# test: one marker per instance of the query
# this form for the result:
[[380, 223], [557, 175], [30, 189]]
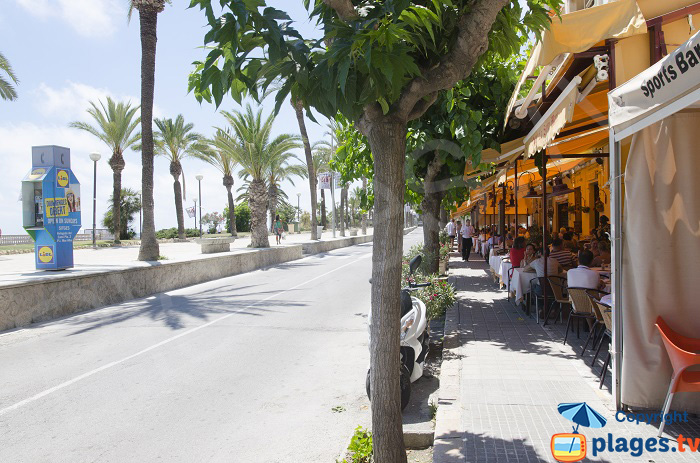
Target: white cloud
[[69, 103], [89, 18]]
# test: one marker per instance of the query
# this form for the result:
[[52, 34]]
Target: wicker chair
[[598, 328], [581, 309], [606, 312], [558, 285]]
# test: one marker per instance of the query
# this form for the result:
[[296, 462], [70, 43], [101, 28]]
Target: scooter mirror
[[415, 263]]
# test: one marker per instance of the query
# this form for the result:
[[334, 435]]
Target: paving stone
[[506, 376]]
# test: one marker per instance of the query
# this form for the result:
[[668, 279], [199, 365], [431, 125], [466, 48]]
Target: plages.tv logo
[[569, 447]]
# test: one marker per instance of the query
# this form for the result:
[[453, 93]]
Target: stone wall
[[27, 303]]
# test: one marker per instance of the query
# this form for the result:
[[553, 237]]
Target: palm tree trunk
[[148, 19], [324, 221], [364, 214], [272, 204], [299, 109], [257, 197], [178, 208], [116, 162], [231, 214]]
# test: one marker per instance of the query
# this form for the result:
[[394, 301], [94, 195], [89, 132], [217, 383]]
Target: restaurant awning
[[663, 89], [579, 31], [556, 117], [509, 150]]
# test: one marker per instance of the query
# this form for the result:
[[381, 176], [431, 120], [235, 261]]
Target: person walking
[[458, 231], [467, 232], [451, 232], [278, 229]]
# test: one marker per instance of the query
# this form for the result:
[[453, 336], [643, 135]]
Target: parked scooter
[[414, 336]]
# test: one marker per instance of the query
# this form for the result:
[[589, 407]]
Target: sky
[[67, 53]]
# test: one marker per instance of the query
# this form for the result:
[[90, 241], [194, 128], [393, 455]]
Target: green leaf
[[384, 105]]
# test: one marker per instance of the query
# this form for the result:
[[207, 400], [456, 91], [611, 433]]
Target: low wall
[[43, 300]]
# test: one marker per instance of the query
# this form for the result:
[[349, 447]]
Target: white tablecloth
[[520, 283]]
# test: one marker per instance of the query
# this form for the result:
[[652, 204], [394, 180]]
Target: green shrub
[[242, 217], [171, 233], [438, 297], [360, 448]]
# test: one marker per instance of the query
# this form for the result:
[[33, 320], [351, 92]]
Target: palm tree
[[148, 22], [115, 125], [176, 141], [7, 90], [355, 201], [321, 158], [256, 153], [222, 156], [280, 171]]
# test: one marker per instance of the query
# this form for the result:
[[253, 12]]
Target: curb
[[449, 435]]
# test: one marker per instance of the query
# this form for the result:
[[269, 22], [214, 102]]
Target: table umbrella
[[581, 414]]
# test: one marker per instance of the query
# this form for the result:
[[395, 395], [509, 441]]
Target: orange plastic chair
[[683, 353]]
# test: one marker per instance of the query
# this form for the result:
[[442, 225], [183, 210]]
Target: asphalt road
[[267, 366]]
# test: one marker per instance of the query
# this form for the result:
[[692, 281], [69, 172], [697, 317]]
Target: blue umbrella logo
[[581, 414]]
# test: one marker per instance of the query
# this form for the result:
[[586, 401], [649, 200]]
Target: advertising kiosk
[[51, 207]]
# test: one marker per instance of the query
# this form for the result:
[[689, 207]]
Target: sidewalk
[[19, 268], [503, 376]]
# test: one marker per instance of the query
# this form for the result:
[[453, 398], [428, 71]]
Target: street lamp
[[298, 213], [199, 179], [94, 157], [195, 213]]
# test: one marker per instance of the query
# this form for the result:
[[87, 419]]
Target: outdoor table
[[484, 245], [495, 263], [520, 283], [506, 265]]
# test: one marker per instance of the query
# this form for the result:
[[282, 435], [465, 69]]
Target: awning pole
[[616, 266], [544, 238], [516, 197]]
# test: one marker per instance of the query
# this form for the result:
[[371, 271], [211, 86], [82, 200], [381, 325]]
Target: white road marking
[[162, 343]]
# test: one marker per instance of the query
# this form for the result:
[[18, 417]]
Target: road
[[267, 366]]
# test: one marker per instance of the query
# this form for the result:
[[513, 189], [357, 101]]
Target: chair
[[606, 313], [510, 277], [540, 281], [596, 335], [683, 353], [581, 309], [558, 285]]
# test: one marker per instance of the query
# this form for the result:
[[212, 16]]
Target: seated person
[[582, 276], [517, 252], [604, 256], [509, 240], [530, 255], [537, 266], [569, 243], [565, 258]]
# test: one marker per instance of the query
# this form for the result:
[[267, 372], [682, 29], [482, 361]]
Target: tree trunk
[[148, 18], [364, 214], [116, 162], [443, 217], [178, 209], [299, 109], [257, 199], [272, 205], [341, 212], [432, 200], [387, 139], [231, 209], [324, 221]]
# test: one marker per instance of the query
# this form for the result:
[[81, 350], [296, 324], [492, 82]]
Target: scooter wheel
[[404, 383]]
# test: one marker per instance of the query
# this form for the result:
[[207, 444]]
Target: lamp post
[[199, 179], [298, 213], [195, 213], [140, 213], [95, 156]]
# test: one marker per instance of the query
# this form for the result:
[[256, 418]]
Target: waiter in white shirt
[[467, 232], [450, 227]]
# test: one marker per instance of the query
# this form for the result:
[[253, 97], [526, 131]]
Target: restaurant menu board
[[53, 218]]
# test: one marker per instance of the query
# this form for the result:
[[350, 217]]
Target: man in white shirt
[[582, 276], [450, 227], [467, 232], [553, 266]]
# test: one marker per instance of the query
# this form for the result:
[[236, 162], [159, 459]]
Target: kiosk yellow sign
[[56, 207], [62, 178], [45, 254]]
